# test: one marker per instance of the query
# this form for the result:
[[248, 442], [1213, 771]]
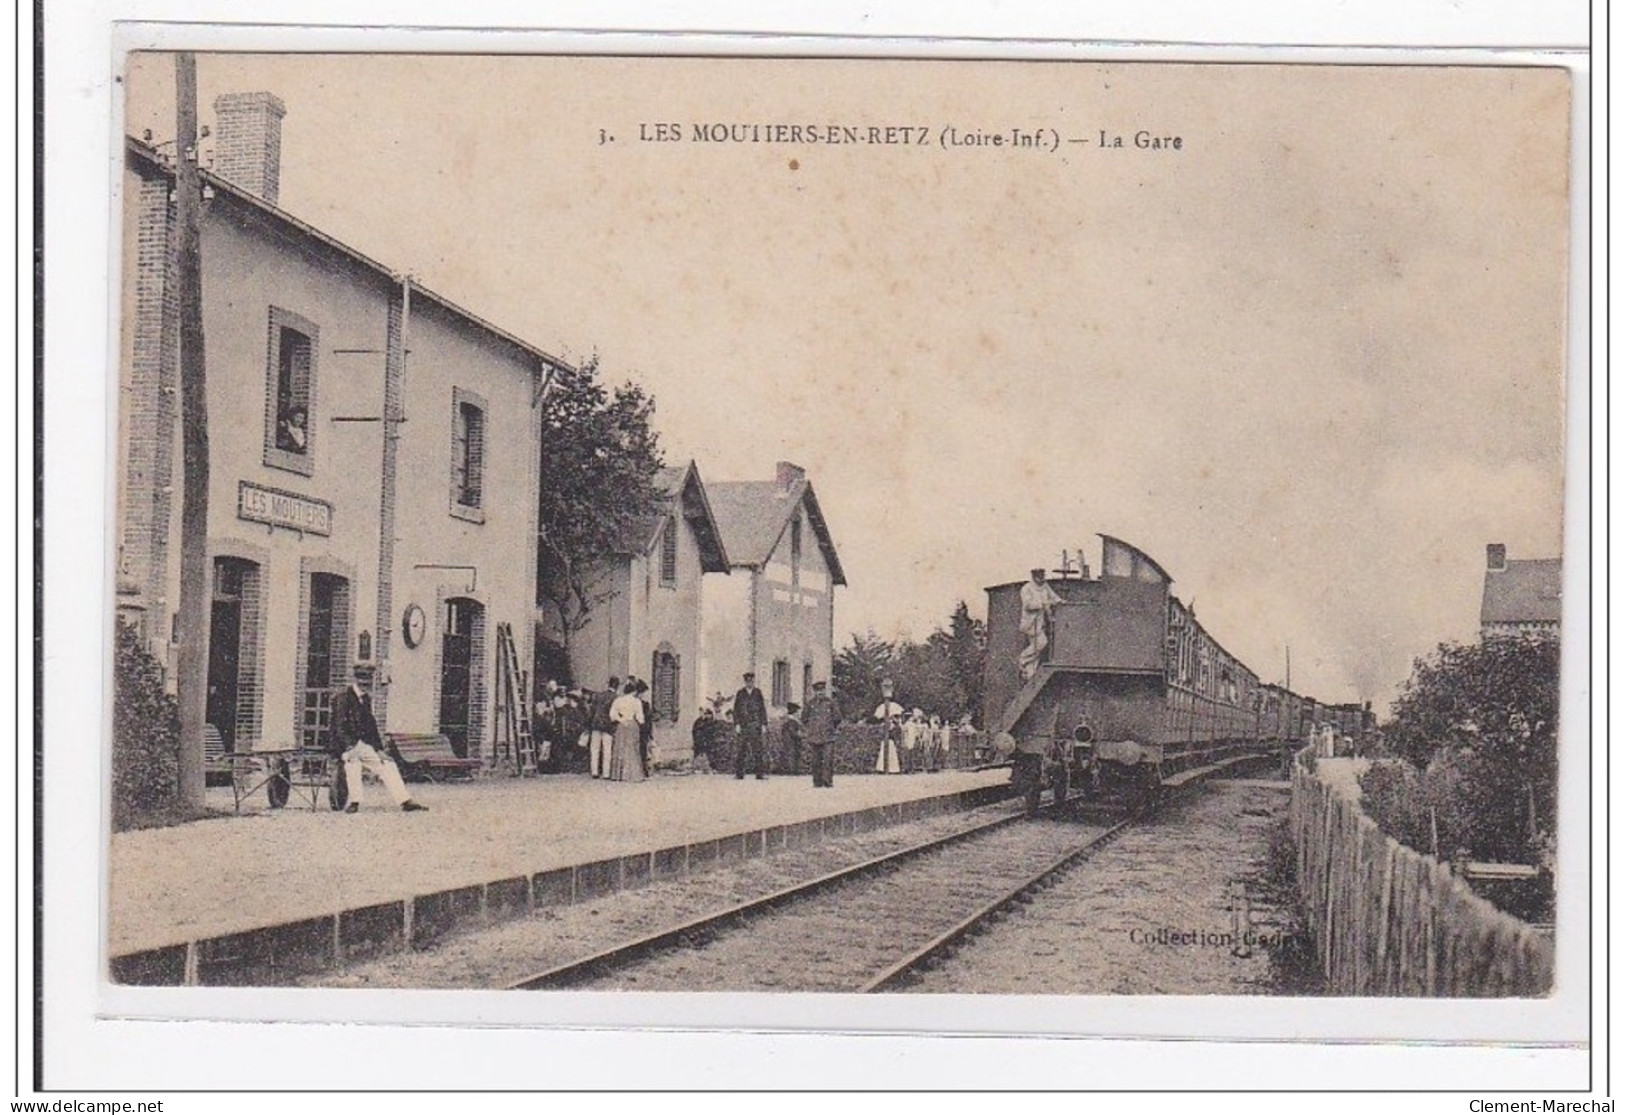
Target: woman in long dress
[[626, 749], [890, 714]]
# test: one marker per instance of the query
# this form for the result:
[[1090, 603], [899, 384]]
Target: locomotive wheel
[[1027, 775], [279, 786]]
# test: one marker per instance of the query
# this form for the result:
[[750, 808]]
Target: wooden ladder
[[515, 745]]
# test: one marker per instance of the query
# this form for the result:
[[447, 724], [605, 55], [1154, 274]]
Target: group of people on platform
[[810, 728], [912, 741], [613, 729]]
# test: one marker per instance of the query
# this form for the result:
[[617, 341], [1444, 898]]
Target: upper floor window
[[468, 455], [668, 552], [290, 392], [795, 542]]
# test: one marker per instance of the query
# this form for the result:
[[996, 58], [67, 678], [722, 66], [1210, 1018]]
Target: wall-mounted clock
[[413, 624]]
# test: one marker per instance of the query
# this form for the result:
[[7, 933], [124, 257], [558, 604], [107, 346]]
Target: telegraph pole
[[192, 664]]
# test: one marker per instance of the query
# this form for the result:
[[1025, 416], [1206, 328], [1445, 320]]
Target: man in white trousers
[[354, 738]]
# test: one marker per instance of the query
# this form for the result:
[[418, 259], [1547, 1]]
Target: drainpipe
[[755, 594], [394, 378]]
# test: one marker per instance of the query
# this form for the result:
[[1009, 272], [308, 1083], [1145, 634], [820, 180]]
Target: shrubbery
[[1475, 732], [146, 733]]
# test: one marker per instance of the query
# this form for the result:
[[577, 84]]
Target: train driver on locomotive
[[1037, 602]]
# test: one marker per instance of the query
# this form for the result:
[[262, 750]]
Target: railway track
[[867, 927]]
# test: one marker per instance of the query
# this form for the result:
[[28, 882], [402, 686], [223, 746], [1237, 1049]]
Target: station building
[[647, 621], [373, 462], [774, 615]]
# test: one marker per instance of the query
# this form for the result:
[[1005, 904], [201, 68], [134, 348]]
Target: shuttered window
[[666, 677], [468, 448], [668, 553], [781, 683], [290, 392]]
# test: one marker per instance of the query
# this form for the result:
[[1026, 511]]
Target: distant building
[[1520, 597], [775, 615], [647, 620], [373, 461]]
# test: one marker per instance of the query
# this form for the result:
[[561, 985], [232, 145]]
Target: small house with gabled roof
[[647, 619], [1520, 597], [775, 615]]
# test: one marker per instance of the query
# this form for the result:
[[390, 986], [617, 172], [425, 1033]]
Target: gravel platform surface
[[1151, 913], [230, 873]]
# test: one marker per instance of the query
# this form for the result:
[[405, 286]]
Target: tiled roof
[[151, 160], [1524, 592], [681, 484], [753, 514]]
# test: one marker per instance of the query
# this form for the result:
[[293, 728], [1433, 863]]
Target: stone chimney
[[1495, 555], [248, 141], [788, 476]]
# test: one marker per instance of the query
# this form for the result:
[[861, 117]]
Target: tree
[[599, 457], [966, 644], [941, 676], [1481, 720], [857, 672]]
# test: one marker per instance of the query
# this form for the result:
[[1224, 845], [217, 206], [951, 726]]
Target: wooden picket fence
[[1390, 921]]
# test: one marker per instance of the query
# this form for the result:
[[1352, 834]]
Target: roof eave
[[265, 208]]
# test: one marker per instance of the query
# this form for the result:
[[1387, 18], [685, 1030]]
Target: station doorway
[[229, 634], [462, 630]]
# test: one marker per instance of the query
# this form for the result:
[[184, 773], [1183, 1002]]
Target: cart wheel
[[279, 785], [338, 789]]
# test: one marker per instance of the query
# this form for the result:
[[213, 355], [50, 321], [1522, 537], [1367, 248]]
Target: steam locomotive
[[1129, 690]]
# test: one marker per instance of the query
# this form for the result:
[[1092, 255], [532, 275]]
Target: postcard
[[1074, 531]]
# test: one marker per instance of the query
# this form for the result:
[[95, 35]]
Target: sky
[[1311, 360]]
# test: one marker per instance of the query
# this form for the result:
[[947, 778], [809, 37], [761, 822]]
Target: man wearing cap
[[819, 719], [354, 738], [1037, 599], [750, 721]]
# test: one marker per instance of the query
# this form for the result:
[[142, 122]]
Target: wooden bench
[[427, 757]]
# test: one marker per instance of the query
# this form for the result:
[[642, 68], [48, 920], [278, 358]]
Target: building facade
[[774, 615], [1520, 597], [373, 455], [647, 621]]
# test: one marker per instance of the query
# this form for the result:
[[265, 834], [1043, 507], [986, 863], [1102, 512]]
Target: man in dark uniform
[[703, 735], [819, 719], [354, 738], [750, 722], [646, 733]]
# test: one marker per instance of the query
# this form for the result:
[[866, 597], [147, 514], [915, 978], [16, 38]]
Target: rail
[[590, 967], [941, 945]]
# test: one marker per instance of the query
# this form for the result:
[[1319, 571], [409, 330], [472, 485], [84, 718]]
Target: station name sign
[[283, 509]]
